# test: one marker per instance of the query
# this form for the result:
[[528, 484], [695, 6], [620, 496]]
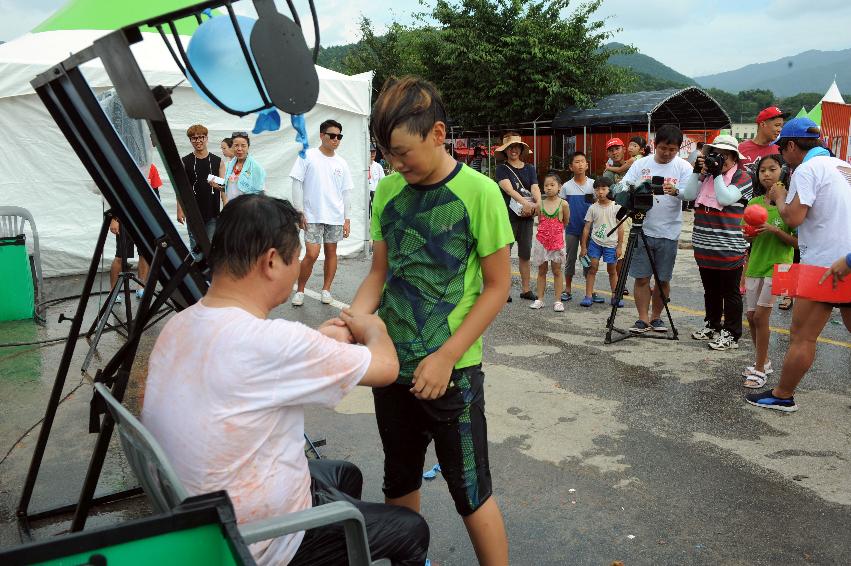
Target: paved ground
[[641, 451]]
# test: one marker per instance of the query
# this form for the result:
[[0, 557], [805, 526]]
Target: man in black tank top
[[209, 196]]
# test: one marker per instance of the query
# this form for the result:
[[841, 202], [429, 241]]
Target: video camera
[[639, 198], [714, 162]]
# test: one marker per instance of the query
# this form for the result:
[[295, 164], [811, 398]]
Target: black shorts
[[127, 250], [457, 424], [522, 229]]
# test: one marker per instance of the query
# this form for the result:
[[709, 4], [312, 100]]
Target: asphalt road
[[641, 451]]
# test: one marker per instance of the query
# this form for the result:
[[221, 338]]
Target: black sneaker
[[767, 400], [658, 325], [565, 296], [640, 327], [529, 296], [597, 298]]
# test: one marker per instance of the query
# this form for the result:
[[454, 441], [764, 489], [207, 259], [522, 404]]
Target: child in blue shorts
[[596, 240]]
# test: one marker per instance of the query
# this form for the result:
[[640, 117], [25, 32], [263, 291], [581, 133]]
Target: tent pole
[[535, 141]]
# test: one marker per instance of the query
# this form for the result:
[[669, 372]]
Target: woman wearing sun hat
[[519, 183], [721, 189]]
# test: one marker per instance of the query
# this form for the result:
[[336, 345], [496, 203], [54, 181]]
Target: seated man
[[227, 390]]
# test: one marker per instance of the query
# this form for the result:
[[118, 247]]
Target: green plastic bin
[[17, 298]]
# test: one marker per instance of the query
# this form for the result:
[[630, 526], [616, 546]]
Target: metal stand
[[121, 288], [635, 232], [116, 373]]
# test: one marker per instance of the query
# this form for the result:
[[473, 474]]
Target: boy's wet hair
[[669, 134], [409, 102], [247, 227], [578, 154]]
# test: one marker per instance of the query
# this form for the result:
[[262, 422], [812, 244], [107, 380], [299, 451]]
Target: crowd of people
[[440, 274]]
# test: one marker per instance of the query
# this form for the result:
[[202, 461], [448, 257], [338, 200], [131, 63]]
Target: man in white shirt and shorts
[[227, 390], [322, 187]]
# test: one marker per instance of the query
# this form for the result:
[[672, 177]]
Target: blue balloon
[[218, 60]]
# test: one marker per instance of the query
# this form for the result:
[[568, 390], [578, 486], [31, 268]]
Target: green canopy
[[112, 14], [815, 114], [802, 113]]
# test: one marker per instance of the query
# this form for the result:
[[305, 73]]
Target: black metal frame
[[635, 232], [68, 97]]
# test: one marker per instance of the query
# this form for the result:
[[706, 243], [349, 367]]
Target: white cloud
[[693, 37]]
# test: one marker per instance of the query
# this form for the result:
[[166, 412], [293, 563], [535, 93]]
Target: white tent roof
[[49, 180], [833, 94]]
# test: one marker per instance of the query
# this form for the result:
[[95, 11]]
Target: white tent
[[833, 94], [43, 173]]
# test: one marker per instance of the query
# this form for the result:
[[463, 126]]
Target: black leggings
[[393, 532], [722, 297]]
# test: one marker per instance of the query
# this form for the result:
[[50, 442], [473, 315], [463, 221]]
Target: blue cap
[[798, 128]]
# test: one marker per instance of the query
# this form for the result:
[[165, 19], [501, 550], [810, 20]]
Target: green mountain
[[811, 70], [652, 75]]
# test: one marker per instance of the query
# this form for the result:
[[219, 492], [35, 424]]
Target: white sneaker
[[298, 299], [326, 297], [558, 307], [751, 369], [724, 341], [536, 304], [704, 333]]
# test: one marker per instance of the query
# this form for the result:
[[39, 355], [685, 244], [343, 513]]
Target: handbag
[[515, 206]]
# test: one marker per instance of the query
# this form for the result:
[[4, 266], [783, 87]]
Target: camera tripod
[[635, 232]]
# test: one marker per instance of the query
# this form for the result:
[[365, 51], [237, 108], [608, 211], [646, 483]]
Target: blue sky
[[693, 37]]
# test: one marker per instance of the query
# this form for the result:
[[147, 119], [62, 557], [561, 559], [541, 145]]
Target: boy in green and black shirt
[[440, 275]]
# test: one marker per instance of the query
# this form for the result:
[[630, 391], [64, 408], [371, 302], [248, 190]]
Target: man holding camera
[[662, 225]]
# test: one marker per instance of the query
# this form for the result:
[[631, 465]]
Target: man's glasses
[[197, 138], [335, 136]]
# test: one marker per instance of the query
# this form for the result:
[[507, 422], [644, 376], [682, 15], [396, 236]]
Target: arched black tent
[[689, 108]]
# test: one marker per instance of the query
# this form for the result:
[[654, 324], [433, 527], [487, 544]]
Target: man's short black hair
[[247, 227], [669, 134], [805, 144], [323, 127], [578, 154]]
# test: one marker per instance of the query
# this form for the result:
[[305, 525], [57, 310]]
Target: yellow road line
[[694, 312]]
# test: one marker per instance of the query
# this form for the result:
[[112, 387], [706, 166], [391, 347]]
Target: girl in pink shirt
[[548, 246]]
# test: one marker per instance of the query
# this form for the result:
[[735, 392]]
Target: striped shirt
[[717, 237]]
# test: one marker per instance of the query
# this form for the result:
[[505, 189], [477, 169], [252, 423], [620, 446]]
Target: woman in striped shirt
[[721, 188]]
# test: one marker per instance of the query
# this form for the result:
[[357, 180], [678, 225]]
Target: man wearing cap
[[818, 204], [721, 188], [615, 151], [522, 195], [375, 174], [769, 123]]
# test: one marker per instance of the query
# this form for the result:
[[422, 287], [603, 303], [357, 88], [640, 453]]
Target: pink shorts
[[758, 293]]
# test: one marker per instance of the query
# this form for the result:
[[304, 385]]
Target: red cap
[[613, 142], [770, 113]]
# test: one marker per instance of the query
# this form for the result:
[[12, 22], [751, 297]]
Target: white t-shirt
[[225, 399], [324, 180], [602, 219], [376, 173], [665, 219], [823, 184]]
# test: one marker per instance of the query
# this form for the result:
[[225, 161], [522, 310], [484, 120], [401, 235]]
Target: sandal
[[755, 380], [785, 303]]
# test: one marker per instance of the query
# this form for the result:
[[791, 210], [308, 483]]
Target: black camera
[[639, 198], [714, 162]]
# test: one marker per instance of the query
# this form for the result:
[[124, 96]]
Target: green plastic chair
[[13, 221], [165, 492]]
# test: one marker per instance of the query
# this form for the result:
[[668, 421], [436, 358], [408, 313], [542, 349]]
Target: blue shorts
[[596, 251], [664, 255]]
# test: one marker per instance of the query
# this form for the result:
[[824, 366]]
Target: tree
[[499, 61]]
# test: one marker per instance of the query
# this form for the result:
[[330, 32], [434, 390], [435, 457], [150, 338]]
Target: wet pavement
[[641, 451]]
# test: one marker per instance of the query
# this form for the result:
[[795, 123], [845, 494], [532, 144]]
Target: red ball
[[756, 215], [749, 230]]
